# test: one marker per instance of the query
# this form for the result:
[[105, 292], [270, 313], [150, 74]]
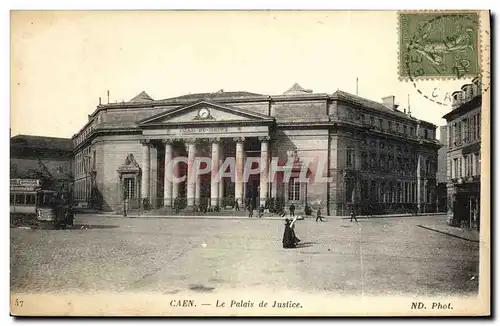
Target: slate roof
[[40, 142], [369, 104], [218, 94]]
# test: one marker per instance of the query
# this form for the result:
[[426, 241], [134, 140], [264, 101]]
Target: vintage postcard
[[250, 163]]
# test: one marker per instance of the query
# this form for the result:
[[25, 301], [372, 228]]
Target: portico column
[[146, 166], [221, 181], [167, 179], [191, 177], [214, 178], [264, 169], [238, 186]]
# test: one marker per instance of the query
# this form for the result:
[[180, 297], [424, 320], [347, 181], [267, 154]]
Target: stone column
[[214, 178], [146, 167], [153, 179], [175, 185], [264, 169], [221, 181], [167, 178], [238, 186], [197, 190], [191, 180]]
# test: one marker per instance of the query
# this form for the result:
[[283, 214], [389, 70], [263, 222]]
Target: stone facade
[[377, 158], [464, 154]]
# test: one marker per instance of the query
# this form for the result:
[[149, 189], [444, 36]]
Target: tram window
[[30, 199], [19, 199], [12, 196]]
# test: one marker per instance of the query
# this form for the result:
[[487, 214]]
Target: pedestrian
[[416, 210], [288, 236], [353, 215], [292, 227], [236, 206], [250, 209], [318, 216], [292, 210]]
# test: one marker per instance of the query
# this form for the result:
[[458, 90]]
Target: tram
[[48, 207]]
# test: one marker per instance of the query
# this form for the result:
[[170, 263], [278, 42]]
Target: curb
[[365, 217], [447, 233]]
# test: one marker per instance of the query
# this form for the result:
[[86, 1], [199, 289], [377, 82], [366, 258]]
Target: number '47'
[[19, 303]]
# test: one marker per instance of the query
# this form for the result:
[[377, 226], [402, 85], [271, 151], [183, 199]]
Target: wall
[[115, 150]]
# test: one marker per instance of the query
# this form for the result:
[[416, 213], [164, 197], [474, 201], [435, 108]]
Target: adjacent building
[[379, 159], [464, 154], [48, 159]]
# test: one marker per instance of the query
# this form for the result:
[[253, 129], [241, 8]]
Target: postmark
[[438, 45]]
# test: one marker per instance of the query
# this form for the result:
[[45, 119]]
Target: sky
[[62, 62]]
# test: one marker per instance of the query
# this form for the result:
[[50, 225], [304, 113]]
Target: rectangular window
[[349, 190], [455, 168], [405, 130], [460, 171], [294, 189], [30, 199], [382, 162], [465, 123], [381, 123], [94, 160], [412, 131], [478, 164], [372, 121], [478, 126], [466, 165], [20, 199], [12, 198], [364, 160], [373, 162], [389, 124], [397, 127], [426, 134], [350, 158], [129, 188]]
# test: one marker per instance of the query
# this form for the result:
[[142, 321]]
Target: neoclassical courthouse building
[[376, 157]]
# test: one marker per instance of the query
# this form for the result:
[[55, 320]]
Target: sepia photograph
[[250, 163]]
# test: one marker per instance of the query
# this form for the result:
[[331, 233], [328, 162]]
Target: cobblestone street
[[373, 257]]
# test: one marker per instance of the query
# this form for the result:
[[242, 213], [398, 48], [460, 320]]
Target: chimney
[[388, 102]]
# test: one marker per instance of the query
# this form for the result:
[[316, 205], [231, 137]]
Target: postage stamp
[[200, 174], [438, 44]]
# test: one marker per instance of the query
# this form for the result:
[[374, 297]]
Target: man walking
[[250, 209], [292, 210], [318, 216], [353, 215]]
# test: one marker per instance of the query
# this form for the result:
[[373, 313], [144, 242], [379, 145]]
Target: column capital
[[190, 141], [239, 139], [264, 138], [167, 141], [214, 140], [145, 142]]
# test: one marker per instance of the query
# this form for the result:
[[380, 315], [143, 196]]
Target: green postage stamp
[[438, 44]]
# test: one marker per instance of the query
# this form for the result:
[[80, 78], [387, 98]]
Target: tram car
[[49, 208]]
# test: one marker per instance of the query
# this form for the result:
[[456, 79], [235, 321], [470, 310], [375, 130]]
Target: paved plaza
[[380, 256]]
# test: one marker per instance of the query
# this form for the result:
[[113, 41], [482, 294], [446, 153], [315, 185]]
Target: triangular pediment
[[204, 112]]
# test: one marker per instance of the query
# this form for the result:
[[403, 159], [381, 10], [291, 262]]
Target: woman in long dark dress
[[288, 239]]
